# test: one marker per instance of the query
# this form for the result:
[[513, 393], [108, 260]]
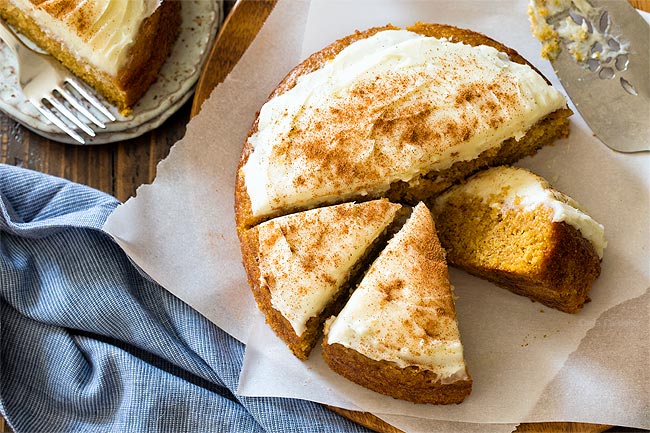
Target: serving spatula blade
[[613, 93]]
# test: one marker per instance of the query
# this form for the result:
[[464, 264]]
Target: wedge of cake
[[509, 226], [300, 265], [116, 46], [397, 334], [396, 113]]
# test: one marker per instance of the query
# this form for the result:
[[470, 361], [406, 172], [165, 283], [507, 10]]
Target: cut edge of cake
[[511, 227]]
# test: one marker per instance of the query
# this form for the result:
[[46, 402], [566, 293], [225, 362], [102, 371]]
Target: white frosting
[[510, 188], [306, 257], [98, 31], [323, 139], [403, 310]]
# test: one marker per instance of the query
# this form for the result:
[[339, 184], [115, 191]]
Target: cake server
[[611, 86], [47, 84]]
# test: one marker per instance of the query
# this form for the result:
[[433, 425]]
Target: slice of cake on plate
[[116, 46], [397, 334], [393, 113], [300, 265], [511, 227]]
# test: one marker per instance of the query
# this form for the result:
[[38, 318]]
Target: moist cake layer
[[507, 188], [509, 226]]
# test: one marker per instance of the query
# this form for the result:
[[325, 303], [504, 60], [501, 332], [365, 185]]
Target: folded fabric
[[87, 343]]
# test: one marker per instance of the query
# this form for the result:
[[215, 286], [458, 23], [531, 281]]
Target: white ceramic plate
[[174, 86]]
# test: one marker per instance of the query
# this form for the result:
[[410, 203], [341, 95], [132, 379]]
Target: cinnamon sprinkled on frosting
[[388, 108], [304, 258], [403, 310], [101, 31]]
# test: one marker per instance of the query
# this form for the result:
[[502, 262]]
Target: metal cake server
[[612, 92]]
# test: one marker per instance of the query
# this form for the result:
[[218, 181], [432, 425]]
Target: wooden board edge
[[237, 32]]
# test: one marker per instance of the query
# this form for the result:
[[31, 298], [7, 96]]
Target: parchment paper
[[527, 361]]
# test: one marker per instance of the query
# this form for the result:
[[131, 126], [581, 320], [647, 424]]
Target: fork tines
[[55, 104]]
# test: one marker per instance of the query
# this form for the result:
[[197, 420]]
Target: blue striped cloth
[[89, 344]]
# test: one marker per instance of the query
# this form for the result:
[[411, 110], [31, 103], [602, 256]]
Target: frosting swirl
[[388, 108], [99, 31]]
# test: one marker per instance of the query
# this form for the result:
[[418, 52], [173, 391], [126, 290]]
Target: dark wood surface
[[119, 168]]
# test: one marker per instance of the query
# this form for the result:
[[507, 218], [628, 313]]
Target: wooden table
[[118, 169]]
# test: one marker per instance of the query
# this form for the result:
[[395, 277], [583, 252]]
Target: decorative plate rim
[[156, 106]]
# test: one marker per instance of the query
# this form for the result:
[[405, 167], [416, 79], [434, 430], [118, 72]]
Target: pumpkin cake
[[115, 46], [392, 114], [397, 334], [509, 226], [300, 265]]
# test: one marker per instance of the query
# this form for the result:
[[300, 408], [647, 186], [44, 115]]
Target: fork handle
[[10, 38]]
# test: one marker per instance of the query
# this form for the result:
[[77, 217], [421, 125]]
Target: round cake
[[335, 185]]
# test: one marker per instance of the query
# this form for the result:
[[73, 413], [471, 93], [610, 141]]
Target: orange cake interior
[[509, 226]]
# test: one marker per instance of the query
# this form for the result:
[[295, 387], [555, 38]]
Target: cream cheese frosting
[[306, 257], [403, 309], [517, 188], [388, 108], [98, 31]]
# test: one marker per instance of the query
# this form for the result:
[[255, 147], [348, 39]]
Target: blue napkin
[[87, 343]]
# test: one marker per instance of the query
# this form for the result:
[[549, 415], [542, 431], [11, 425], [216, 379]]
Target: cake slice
[[117, 47], [511, 227], [398, 334], [300, 265], [394, 113]]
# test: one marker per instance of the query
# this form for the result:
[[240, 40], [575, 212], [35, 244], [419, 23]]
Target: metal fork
[[44, 81]]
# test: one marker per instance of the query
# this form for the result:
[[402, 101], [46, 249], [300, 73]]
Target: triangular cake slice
[[116, 47], [398, 334], [299, 265], [509, 226]]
